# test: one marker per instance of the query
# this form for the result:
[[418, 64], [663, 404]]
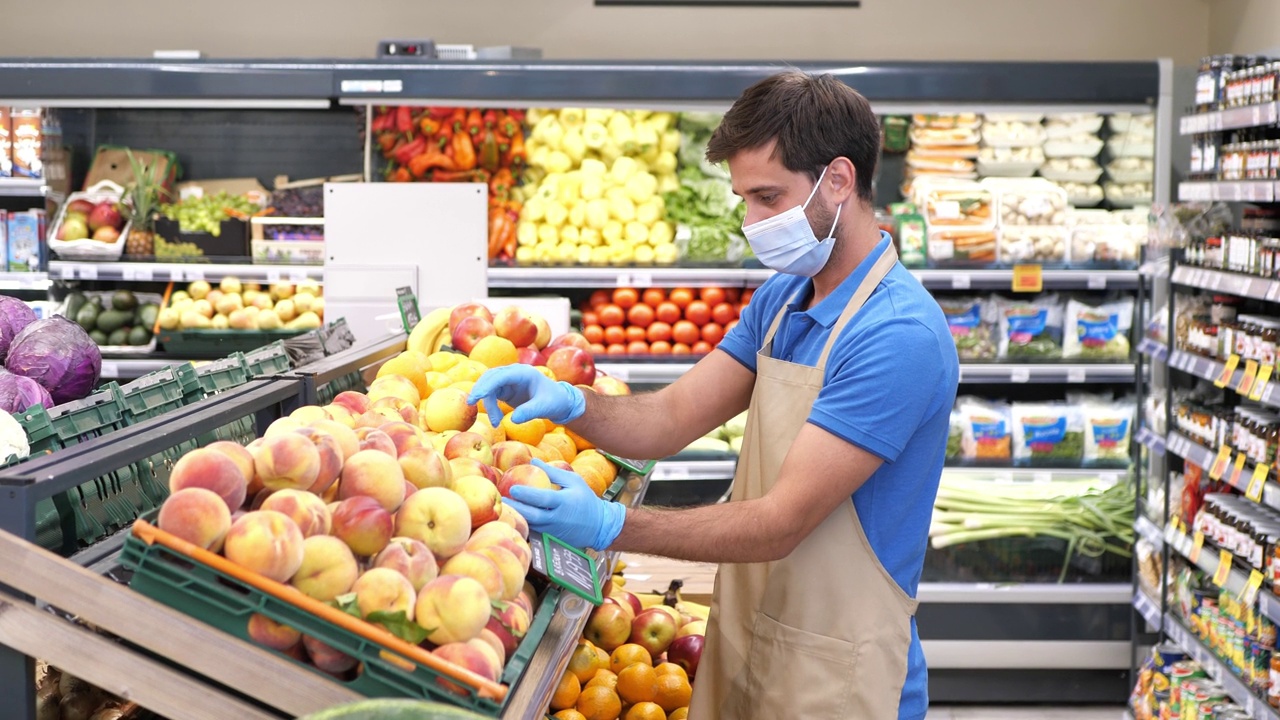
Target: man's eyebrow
[[759, 189]]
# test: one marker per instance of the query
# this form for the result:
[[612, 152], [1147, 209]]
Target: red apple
[[515, 325], [470, 330], [80, 205], [105, 214], [572, 365], [686, 652], [606, 385], [572, 339], [653, 630], [528, 356], [608, 627], [466, 310], [632, 600], [544, 332]]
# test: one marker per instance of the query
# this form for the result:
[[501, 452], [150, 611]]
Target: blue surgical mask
[[786, 243]]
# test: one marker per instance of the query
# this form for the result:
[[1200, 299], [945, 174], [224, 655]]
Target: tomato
[[728, 328], [701, 347], [680, 349], [593, 333], [653, 297], [712, 332], [625, 297], [590, 318], [614, 335], [661, 347], [746, 295], [698, 313], [598, 298], [732, 295], [635, 333], [597, 349], [611, 315], [640, 314], [616, 349], [681, 296], [685, 332], [659, 332], [668, 312], [724, 313], [711, 295], [637, 347]]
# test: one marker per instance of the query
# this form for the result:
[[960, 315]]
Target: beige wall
[[1244, 26], [574, 29]]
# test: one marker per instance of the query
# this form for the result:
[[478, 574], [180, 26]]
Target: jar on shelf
[[1268, 336], [1223, 309]]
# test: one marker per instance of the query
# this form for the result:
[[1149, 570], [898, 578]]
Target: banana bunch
[[431, 333], [648, 600]]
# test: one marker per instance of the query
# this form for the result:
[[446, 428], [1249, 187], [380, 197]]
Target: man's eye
[[768, 199]]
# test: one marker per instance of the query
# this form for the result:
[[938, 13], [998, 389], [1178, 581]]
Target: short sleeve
[[745, 339], [882, 384]]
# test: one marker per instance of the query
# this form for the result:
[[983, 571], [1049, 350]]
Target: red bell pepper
[[408, 151], [404, 119], [440, 113]]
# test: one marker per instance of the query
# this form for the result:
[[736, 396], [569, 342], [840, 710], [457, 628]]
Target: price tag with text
[[1228, 370], [1260, 384], [960, 281], [1097, 282], [88, 272], [1224, 568], [297, 276], [1219, 466], [408, 305], [1020, 375], [1075, 375], [273, 275], [1249, 377], [1257, 482], [1250, 591], [1237, 470], [1197, 544], [1028, 278]]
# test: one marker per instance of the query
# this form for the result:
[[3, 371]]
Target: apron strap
[[874, 277], [777, 319]]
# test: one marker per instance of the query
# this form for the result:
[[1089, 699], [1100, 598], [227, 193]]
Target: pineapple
[[144, 196]]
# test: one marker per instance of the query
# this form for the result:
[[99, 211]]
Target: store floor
[[1009, 712]]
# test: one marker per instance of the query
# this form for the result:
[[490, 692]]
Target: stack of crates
[[268, 360], [147, 397], [216, 377]]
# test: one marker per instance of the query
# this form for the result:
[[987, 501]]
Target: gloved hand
[[574, 513], [532, 394]]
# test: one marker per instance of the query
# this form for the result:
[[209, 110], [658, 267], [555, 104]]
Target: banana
[[702, 612], [427, 330], [441, 339]]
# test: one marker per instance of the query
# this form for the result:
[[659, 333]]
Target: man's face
[[769, 188]]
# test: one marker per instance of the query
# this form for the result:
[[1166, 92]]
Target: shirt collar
[[828, 311]]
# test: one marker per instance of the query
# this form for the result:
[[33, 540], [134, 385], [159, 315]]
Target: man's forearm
[[634, 426], [738, 532]]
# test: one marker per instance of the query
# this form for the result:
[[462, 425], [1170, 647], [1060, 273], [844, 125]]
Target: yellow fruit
[[412, 365], [584, 663], [466, 371], [599, 703], [569, 714], [627, 655], [672, 691], [562, 444], [494, 351], [680, 714], [529, 433], [566, 694], [637, 683], [645, 711]]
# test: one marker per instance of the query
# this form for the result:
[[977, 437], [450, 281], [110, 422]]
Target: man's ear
[[842, 180]]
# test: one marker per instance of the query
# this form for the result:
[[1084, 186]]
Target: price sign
[[1219, 466], [273, 275], [960, 281], [88, 272], [109, 370], [1028, 278], [408, 305], [642, 279], [194, 274], [1250, 591], [639, 467], [566, 566], [1075, 375], [1020, 375], [1249, 377], [1097, 282], [1224, 568], [1260, 384], [1257, 482], [1197, 544], [1237, 470], [297, 276], [1228, 370]]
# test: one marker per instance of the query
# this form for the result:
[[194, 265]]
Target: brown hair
[[815, 119]]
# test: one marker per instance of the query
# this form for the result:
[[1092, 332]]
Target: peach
[[516, 325], [509, 454], [466, 655], [241, 456], [384, 590], [528, 475], [515, 616], [447, 409], [438, 518], [373, 474], [304, 508], [356, 403], [281, 426], [481, 496], [506, 638], [341, 415], [269, 633], [403, 435], [308, 414], [344, 434], [561, 465], [330, 458], [485, 429], [562, 444], [440, 439], [452, 609], [509, 516], [213, 471], [409, 488], [326, 657], [493, 652], [287, 461], [479, 568], [265, 542], [363, 524], [377, 417], [469, 444], [490, 533], [259, 498], [393, 386], [410, 558], [544, 332], [407, 412], [328, 568], [490, 638], [199, 516], [509, 567], [425, 468], [464, 466], [371, 438]]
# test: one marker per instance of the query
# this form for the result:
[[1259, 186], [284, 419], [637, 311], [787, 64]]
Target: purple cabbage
[[14, 316], [59, 355], [18, 393]]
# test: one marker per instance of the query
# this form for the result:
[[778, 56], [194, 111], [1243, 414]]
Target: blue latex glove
[[574, 513], [532, 394]]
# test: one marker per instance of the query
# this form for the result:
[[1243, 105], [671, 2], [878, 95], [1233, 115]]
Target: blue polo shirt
[[889, 387]]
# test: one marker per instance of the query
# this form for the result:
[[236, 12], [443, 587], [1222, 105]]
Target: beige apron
[[824, 632]]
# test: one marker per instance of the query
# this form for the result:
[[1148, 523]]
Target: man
[[850, 373]]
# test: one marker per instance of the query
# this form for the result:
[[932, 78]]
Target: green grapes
[[205, 214]]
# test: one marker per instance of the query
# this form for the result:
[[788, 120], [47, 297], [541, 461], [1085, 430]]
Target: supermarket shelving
[[181, 272], [24, 281], [1207, 369], [1221, 673], [1148, 531], [130, 368], [21, 187], [1231, 283], [1153, 440], [1230, 119], [1228, 191], [1192, 451], [995, 373], [1208, 560], [1148, 609], [1154, 349]]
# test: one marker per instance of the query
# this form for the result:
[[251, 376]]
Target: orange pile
[[624, 685], [628, 321]]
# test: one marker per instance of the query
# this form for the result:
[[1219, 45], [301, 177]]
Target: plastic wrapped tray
[[1077, 170], [1131, 170], [1073, 146], [1012, 134], [1028, 201], [1107, 245], [1067, 125], [1128, 194], [1047, 245], [1132, 146], [963, 247]]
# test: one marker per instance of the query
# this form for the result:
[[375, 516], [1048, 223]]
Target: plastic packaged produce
[[707, 214], [962, 206], [1083, 195], [1097, 332], [955, 436], [1131, 146], [1030, 201], [963, 247], [986, 429], [1072, 124], [1128, 194], [1080, 145], [1083, 170], [1109, 244], [1108, 429], [1030, 329], [972, 323], [946, 121], [1029, 243], [1130, 170], [1048, 433], [1010, 162], [1003, 133]]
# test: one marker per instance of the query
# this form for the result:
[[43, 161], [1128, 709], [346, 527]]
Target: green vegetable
[[147, 315], [123, 300], [704, 204], [118, 337], [139, 336], [87, 316], [75, 301], [98, 337], [111, 320]]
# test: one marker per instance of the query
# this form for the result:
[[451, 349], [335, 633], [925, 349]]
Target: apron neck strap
[[874, 277], [777, 319]]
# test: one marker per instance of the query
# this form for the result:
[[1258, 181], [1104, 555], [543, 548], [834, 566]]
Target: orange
[[625, 297], [529, 432], [593, 333], [673, 692], [604, 658], [701, 347], [598, 298], [569, 714], [667, 312], [566, 694], [611, 315], [670, 668], [603, 678], [698, 313], [614, 335], [590, 318], [495, 351], [584, 662], [712, 332], [579, 442], [659, 332], [640, 315], [680, 349], [629, 654], [412, 365], [659, 347], [712, 295], [635, 333], [681, 714], [645, 711], [599, 703], [653, 297], [638, 347], [685, 332], [681, 296], [616, 349], [563, 443], [724, 313], [637, 683]]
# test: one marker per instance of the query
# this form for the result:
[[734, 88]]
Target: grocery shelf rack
[[182, 272]]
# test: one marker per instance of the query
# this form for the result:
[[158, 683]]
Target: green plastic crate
[[351, 381], [227, 603], [216, 377], [151, 396], [219, 343], [269, 360]]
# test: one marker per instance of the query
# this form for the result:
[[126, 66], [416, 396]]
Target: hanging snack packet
[[1098, 332]]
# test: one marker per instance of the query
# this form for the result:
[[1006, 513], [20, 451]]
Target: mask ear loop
[[840, 207], [815, 187]]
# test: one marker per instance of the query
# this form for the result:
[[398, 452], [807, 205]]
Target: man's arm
[[662, 423], [820, 472]]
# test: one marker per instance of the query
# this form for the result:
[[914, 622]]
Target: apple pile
[[102, 221], [628, 321]]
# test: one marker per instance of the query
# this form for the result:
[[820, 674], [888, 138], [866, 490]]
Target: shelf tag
[[642, 279], [1028, 278], [1020, 375], [297, 276], [1228, 370], [1258, 482], [1219, 466], [1224, 568], [1250, 591], [109, 370], [1197, 544], [960, 281], [1260, 384], [623, 280], [88, 272], [675, 471], [1250, 376], [273, 275], [142, 274], [1171, 531], [1235, 472], [1097, 282], [566, 566], [195, 274], [1075, 375], [408, 305]]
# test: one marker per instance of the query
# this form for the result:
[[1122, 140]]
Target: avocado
[[147, 315], [118, 337], [75, 301], [123, 300], [98, 337], [139, 335], [111, 320], [87, 316]]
